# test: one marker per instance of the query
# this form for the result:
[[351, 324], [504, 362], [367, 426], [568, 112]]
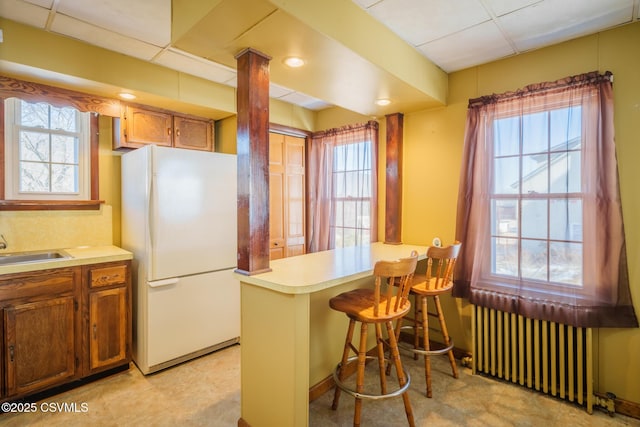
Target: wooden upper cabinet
[[141, 125], [192, 133]]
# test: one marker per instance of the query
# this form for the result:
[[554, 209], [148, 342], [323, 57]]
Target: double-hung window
[[342, 192], [539, 211], [352, 192], [47, 152], [536, 197]]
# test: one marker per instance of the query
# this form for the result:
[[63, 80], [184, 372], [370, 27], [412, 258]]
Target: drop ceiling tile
[[100, 37], [25, 13], [304, 101], [418, 21], [475, 45], [42, 3], [277, 91], [191, 64], [365, 3], [554, 21], [146, 20], [502, 7]]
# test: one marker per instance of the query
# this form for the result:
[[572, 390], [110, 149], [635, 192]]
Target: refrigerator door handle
[[152, 209], [164, 282]]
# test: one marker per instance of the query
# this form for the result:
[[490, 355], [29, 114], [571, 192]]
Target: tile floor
[[206, 392]]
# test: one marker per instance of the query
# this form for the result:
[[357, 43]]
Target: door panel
[[295, 199], [286, 195], [194, 212], [191, 314], [108, 327], [277, 221], [40, 344]]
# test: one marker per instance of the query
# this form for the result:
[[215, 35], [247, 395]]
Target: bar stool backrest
[[440, 265], [398, 272]]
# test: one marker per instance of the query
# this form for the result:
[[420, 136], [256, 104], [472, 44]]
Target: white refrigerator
[[179, 220]]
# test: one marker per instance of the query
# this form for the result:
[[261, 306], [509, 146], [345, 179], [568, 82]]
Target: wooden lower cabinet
[[40, 348], [56, 328], [109, 314]]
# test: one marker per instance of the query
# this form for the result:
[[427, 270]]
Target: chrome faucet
[[3, 243]]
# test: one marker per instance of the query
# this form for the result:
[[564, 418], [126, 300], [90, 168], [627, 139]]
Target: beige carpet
[[206, 392]]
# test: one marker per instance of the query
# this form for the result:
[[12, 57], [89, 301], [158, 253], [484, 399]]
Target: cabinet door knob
[[177, 132], [95, 333], [11, 353], [168, 131]]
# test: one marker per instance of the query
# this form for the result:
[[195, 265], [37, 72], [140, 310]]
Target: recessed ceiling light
[[294, 61], [383, 101], [126, 95]]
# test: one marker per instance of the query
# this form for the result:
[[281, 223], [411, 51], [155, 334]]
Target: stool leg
[[362, 358], [425, 335], [379, 342], [416, 337], [401, 379], [343, 366], [445, 334], [398, 328]]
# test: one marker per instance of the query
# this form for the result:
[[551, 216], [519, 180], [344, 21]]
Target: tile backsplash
[[38, 230]]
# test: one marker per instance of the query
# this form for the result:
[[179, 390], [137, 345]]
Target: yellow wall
[[37, 230], [432, 152], [433, 149]]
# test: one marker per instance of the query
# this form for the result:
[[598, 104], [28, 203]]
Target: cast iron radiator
[[549, 357]]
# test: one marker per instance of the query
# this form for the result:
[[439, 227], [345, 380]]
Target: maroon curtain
[[320, 202], [511, 193]]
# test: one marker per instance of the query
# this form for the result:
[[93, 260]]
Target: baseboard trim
[[623, 407]]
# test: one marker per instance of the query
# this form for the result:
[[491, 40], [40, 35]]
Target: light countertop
[[321, 270], [81, 255]]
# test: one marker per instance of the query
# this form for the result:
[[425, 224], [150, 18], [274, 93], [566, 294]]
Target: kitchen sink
[[27, 257]]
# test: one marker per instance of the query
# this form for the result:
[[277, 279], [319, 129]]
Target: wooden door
[[39, 340], [107, 327], [295, 201], [276, 196], [286, 195], [192, 133], [142, 127]]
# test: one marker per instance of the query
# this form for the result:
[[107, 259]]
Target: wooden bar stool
[[437, 280], [383, 304]]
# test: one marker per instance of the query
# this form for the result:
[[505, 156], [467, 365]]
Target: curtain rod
[[577, 80]]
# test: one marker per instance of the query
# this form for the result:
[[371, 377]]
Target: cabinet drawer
[[107, 276], [26, 285]]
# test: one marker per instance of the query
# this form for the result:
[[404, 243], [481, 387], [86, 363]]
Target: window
[[536, 199], [47, 152], [539, 210], [352, 185], [342, 193]]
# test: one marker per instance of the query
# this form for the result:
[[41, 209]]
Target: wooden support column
[[393, 210], [253, 162]]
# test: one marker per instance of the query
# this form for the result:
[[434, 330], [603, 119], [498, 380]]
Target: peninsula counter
[[290, 338]]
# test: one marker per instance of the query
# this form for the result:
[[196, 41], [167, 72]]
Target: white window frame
[[359, 227], [519, 280], [12, 178]]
